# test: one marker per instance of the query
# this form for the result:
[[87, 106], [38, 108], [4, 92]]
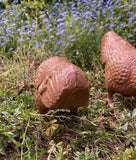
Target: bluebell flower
[[130, 12], [67, 44], [70, 25], [71, 36], [135, 30], [60, 20], [92, 29], [26, 26], [77, 52], [2, 44], [21, 40], [77, 19], [50, 30], [109, 8], [49, 26], [126, 4], [24, 8], [64, 14], [38, 45], [44, 40], [61, 25], [59, 51], [2, 37], [119, 17], [59, 43], [131, 19], [112, 12], [46, 20], [74, 39], [13, 24], [121, 24], [113, 25], [20, 33], [87, 24], [51, 37], [33, 21], [26, 21], [8, 30], [10, 49], [61, 33], [94, 16], [87, 7], [43, 53], [55, 49]]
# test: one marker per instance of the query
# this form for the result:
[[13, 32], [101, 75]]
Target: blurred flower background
[[62, 28]]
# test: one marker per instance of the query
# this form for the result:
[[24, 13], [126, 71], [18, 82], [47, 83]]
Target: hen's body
[[119, 58], [60, 84]]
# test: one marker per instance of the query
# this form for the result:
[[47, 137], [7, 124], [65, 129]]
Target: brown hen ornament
[[59, 84], [119, 58]]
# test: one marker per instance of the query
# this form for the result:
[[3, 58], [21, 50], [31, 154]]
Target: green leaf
[[7, 133], [18, 144]]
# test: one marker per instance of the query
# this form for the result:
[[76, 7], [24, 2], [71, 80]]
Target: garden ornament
[[59, 84], [119, 58]]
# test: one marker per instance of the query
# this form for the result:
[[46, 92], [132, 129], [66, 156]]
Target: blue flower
[[67, 44], [130, 12], [44, 40], [50, 30], [43, 53], [94, 16], [2, 44], [74, 39], [10, 49], [21, 40], [126, 4], [77, 19], [60, 20], [38, 45], [106, 24], [77, 52], [121, 24], [51, 37], [59, 51], [71, 36], [87, 24], [59, 42], [131, 19], [113, 25], [61, 33], [135, 30], [61, 25], [8, 30], [119, 17], [2, 37], [92, 29]]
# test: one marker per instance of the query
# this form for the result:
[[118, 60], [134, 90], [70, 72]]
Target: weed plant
[[32, 31]]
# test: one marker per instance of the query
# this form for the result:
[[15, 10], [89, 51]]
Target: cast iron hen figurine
[[119, 58], [60, 84]]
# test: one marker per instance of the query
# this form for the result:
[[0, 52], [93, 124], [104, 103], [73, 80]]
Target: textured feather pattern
[[60, 84], [119, 57]]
